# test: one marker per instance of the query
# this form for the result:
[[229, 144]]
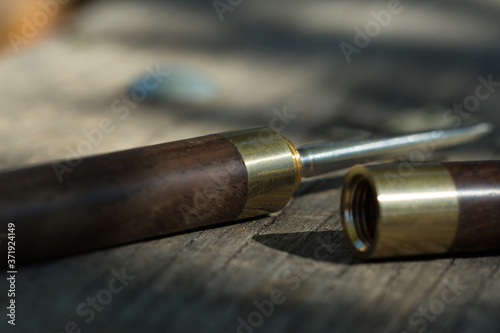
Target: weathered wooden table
[[290, 272]]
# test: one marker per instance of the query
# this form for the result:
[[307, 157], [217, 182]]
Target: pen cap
[[390, 210]]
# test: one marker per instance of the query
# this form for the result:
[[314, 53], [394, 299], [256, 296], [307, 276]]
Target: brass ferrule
[[390, 212], [273, 166]]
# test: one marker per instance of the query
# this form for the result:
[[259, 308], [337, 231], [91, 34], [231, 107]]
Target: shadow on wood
[[326, 246], [330, 246]]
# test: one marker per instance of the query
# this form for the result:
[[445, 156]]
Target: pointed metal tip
[[318, 159], [452, 137], [484, 128]]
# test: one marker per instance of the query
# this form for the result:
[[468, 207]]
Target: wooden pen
[[151, 191]]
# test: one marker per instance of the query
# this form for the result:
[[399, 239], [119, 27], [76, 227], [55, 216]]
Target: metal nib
[[324, 157]]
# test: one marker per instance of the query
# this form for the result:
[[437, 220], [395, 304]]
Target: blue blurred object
[[176, 85]]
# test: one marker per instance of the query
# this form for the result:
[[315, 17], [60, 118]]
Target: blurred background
[[159, 71], [63, 64]]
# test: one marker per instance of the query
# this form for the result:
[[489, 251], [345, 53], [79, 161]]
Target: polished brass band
[[296, 162], [273, 166], [390, 211]]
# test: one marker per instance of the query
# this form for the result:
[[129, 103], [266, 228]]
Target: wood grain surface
[[79, 205], [265, 57]]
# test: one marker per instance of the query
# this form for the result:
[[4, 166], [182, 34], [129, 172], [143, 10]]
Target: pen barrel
[[478, 191], [75, 206], [390, 211]]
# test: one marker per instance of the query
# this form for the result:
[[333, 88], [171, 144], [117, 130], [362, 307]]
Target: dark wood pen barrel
[[120, 197], [478, 188], [131, 195]]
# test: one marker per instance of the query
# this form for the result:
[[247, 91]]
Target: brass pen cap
[[386, 212]]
